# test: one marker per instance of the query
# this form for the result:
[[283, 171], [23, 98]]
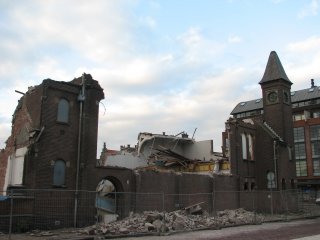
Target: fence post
[[163, 211], [212, 203], [254, 207], [11, 212]]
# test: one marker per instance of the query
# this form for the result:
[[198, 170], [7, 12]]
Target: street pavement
[[307, 229], [315, 237]]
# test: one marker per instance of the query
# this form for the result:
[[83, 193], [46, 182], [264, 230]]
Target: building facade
[[291, 119], [53, 145], [53, 141]]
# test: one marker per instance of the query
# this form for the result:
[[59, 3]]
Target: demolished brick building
[[54, 142], [54, 134]]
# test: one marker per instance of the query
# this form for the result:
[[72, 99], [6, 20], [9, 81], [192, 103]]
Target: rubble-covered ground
[[154, 223], [181, 220]]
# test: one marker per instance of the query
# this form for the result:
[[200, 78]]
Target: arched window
[[59, 170], [283, 184], [253, 186], [292, 183], [250, 147], [244, 146], [246, 186], [63, 111]]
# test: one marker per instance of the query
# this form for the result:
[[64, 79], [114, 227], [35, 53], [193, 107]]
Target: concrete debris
[[180, 220], [38, 233], [236, 217]]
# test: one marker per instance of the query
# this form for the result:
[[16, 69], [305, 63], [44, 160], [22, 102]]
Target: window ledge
[[63, 123], [59, 186], [15, 186]]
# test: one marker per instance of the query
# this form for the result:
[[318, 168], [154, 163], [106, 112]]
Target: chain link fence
[[26, 210]]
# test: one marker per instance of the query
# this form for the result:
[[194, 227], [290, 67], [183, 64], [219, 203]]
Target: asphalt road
[[308, 229], [302, 229]]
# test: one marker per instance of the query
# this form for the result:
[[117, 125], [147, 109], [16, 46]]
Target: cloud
[[309, 10], [154, 81], [234, 39], [308, 45], [170, 91], [197, 48], [148, 21], [303, 61]]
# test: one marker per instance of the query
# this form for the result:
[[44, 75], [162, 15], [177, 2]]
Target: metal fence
[[26, 210]]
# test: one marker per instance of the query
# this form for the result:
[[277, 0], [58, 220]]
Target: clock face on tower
[[272, 96], [286, 98]]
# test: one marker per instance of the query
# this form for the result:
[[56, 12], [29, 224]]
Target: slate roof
[[296, 96], [274, 70]]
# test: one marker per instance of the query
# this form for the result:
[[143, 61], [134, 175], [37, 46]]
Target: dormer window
[[311, 89]]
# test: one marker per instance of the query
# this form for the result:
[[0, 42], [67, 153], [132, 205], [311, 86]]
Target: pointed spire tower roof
[[274, 70]]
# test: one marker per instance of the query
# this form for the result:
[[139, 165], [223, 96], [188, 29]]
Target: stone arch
[[110, 200]]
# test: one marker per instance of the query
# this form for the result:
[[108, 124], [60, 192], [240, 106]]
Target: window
[[292, 183], [315, 148], [316, 113], [15, 169], [250, 143], [244, 146], [246, 186], [283, 184], [298, 134], [59, 169], [298, 116], [300, 152], [253, 186], [315, 132], [286, 98], [316, 166], [63, 111]]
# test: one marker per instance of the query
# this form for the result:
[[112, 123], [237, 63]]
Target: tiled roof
[[296, 96], [248, 106], [274, 70]]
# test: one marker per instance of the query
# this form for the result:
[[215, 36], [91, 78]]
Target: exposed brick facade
[[270, 135], [35, 126], [48, 140]]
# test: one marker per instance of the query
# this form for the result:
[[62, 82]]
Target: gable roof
[[274, 70], [296, 96]]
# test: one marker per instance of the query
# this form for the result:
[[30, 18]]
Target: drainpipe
[[81, 99], [275, 163]]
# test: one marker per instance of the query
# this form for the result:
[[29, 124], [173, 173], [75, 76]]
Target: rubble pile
[[180, 220], [236, 217]]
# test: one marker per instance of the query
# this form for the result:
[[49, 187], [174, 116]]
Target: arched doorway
[[109, 200]]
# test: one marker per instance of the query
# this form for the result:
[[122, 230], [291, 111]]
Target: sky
[[165, 65]]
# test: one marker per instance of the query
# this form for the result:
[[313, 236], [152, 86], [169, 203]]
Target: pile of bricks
[[180, 220]]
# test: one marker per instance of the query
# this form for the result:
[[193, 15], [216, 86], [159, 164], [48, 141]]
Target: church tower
[[277, 120]]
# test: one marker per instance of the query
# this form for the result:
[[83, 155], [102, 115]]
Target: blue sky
[[165, 65]]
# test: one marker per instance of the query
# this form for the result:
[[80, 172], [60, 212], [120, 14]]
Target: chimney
[[312, 83]]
